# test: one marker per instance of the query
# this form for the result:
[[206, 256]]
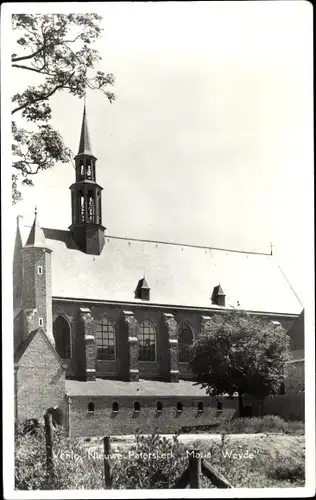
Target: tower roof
[[220, 290], [85, 143], [36, 237], [143, 284]]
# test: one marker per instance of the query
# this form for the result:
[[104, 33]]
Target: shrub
[[73, 468], [287, 471], [153, 462]]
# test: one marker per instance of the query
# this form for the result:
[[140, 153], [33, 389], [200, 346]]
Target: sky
[[210, 139]]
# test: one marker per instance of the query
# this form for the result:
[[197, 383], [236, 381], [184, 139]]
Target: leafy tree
[[56, 47], [240, 353]]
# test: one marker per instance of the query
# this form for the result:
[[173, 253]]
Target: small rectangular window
[[40, 322], [40, 270]]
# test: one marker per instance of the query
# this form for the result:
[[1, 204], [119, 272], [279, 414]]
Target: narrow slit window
[[159, 407], [179, 407], [115, 407], [40, 270], [40, 322], [81, 207], [136, 407], [91, 407]]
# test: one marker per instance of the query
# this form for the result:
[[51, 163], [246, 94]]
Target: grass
[[278, 461], [250, 461], [266, 424]]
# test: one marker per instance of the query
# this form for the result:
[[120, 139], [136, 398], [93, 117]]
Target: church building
[[102, 324]]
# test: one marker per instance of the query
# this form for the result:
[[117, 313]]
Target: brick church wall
[[40, 380], [158, 369]]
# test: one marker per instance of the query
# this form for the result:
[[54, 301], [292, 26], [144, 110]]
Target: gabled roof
[[179, 275], [85, 142], [26, 343], [23, 346]]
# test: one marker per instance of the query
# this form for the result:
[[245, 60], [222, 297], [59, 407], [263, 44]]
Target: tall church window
[[61, 331], [105, 339], [185, 339], [147, 341]]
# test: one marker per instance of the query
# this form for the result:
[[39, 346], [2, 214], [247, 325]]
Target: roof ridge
[[187, 245], [174, 243]]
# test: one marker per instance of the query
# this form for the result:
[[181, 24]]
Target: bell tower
[[86, 203]]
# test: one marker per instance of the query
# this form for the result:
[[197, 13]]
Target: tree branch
[[26, 67], [45, 98], [23, 58]]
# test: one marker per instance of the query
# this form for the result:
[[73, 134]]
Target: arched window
[[179, 407], [137, 407], [147, 341], [81, 206], [200, 406], [115, 407], [89, 170], [90, 206], [105, 339], [91, 407], [159, 407], [185, 339], [61, 331], [81, 170]]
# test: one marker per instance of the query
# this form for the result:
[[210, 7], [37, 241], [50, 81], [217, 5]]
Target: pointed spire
[[36, 237], [85, 143], [18, 239]]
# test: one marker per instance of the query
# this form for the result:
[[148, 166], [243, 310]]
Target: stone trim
[[132, 346], [90, 351], [172, 329]]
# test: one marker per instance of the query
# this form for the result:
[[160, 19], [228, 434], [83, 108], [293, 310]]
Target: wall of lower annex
[[102, 421], [158, 369]]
